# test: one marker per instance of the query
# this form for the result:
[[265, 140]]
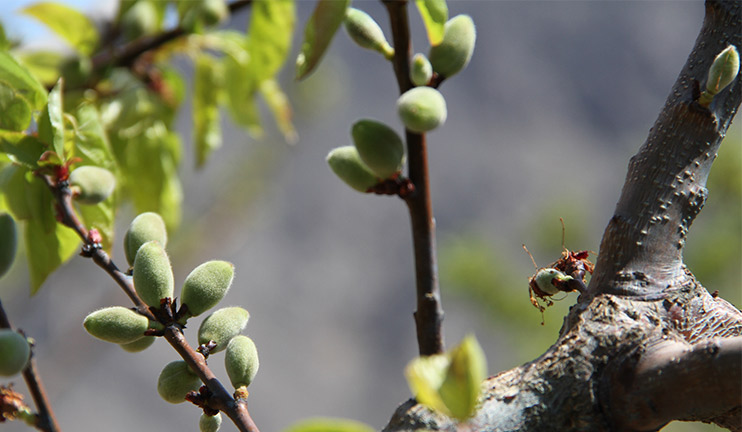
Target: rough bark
[[647, 344]]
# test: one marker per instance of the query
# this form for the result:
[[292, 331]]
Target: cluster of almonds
[[14, 347], [378, 151]]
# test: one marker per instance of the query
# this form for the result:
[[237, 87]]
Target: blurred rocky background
[[541, 125]]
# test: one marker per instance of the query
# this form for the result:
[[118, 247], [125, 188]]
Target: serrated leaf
[[320, 29], [434, 14], [18, 78], [44, 65], [15, 109], [326, 424], [271, 29], [71, 24], [207, 83], [46, 249], [51, 121], [23, 149], [280, 107]]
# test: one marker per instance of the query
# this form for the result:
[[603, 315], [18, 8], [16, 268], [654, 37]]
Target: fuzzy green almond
[[455, 50], [153, 275], [346, 163], [209, 423], [91, 184], [421, 71], [116, 324], [175, 381], [366, 32], [422, 109], [206, 286], [8, 242], [148, 226], [241, 361], [222, 325], [379, 147], [139, 344], [14, 352]]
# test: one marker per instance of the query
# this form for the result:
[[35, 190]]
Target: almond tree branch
[[221, 399], [429, 314], [46, 421]]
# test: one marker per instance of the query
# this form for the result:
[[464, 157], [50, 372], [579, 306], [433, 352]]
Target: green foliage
[[17, 77], [70, 24], [434, 14], [207, 132], [318, 33], [8, 242], [14, 352], [16, 110], [327, 424]]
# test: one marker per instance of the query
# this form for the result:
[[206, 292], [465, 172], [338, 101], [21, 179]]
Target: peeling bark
[[647, 343]]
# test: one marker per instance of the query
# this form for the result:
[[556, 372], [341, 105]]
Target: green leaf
[[51, 121], [271, 29], [207, 82], [15, 109], [23, 149], [425, 376], [70, 24], [434, 14], [14, 187], [46, 249], [17, 77], [44, 65], [280, 107], [326, 424], [240, 87], [320, 29]]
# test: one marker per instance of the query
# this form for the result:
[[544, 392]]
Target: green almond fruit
[[455, 50], [366, 32], [146, 227], [175, 381], [206, 286], [139, 344], [221, 326], [116, 324], [91, 184], [153, 275], [140, 20], [209, 423], [421, 71], [422, 109], [379, 147], [14, 352], [346, 163], [8, 242], [241, 361]]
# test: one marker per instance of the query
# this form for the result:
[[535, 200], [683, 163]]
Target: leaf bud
[[209, 423], [241, 361], [421, 71], [422, 109], [221, 326], [366, 32], [544, 278], [153, 275], [14, 352], [116, 324], [146, 227], [91, 184], [138, 345], [456, 48], [346, 163], [8, 242], [722, 72], [175, 381], [206, 286], [379, 147]]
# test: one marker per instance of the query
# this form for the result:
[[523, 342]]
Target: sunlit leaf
[[14, 186], [207, 82], [71, 24], [271, 29], [44, 65], [15, 109], [434, 14], [323, 424], [240, 87], [17, 77], [320, 29], [280, 107], [46, 249], [51, 121], [22, 148]]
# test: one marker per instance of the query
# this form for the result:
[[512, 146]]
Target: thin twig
[[46, 421], [429, 314]]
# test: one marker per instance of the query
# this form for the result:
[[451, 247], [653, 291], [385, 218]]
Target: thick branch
[[429, 314], [641, 250]]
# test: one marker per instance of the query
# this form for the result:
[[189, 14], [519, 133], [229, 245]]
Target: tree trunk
[[646, 344]]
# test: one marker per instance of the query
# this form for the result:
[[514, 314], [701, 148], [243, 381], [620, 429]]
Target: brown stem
[[46, 422], [429, 314]]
